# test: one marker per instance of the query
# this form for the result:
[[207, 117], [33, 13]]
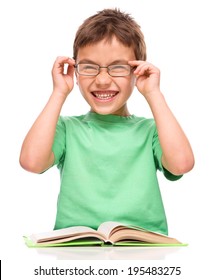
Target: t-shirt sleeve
[[157, 151], [58, 147]]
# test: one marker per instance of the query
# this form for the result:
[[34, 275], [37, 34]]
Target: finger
[[70, 70], [146, 69], [69, 63], [136, 62], [140, 63], [140, 67], [60, 63], [143, 69]]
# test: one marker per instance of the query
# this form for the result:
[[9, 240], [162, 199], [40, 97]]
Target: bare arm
[[177, 155], [36, 153]]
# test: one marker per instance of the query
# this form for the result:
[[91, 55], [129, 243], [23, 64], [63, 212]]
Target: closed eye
[[88, 67], [115, 67]]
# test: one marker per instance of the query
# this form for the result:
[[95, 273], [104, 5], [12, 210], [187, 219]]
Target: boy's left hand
[[147, 77]]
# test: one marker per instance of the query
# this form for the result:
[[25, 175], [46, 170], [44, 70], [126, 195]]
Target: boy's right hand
[[63, 82]]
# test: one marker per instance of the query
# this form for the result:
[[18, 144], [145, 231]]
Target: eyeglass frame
[[107, 67]]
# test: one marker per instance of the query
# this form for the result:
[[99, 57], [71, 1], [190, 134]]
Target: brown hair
[[107, 24]]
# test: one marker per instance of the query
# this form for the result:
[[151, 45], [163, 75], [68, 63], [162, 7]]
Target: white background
[[179, 41]]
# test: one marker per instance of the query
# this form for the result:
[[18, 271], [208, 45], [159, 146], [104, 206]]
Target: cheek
[[133, 81], [82, 84], [130, 84]]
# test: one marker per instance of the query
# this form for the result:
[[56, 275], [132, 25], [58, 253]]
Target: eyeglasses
[[85, 69]]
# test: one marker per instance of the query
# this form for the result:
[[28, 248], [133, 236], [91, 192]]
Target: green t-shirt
[[108, 167]]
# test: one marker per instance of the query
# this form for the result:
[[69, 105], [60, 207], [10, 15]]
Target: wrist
[[59, 95], [154, 96]]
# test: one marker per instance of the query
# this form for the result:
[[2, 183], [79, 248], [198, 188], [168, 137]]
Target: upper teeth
[[104, 95]]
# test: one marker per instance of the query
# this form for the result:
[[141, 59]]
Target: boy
[[108, 158]]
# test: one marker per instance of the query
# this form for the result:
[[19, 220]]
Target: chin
[[102, 111]]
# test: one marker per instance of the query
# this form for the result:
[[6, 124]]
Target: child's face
[[106, 94]]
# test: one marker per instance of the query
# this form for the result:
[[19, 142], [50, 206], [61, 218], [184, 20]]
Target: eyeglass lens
[[93, 69]]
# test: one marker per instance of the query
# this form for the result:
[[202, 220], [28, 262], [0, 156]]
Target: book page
[[107, 227], [62, 233], [115, 231], [143, 236]]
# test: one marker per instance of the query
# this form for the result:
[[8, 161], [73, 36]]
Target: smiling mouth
[[104, 95]]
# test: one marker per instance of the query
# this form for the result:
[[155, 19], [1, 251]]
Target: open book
[[112, 233]]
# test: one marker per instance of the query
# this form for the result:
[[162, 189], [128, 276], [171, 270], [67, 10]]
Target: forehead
[[105, 52]]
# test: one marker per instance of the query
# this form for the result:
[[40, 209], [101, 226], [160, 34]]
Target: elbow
[[180, 165], [30, 164], [183, 166]]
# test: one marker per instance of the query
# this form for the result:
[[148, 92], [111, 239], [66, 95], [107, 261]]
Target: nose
[[103, 78]]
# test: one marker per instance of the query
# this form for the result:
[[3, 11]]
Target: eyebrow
[[118, 61]]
